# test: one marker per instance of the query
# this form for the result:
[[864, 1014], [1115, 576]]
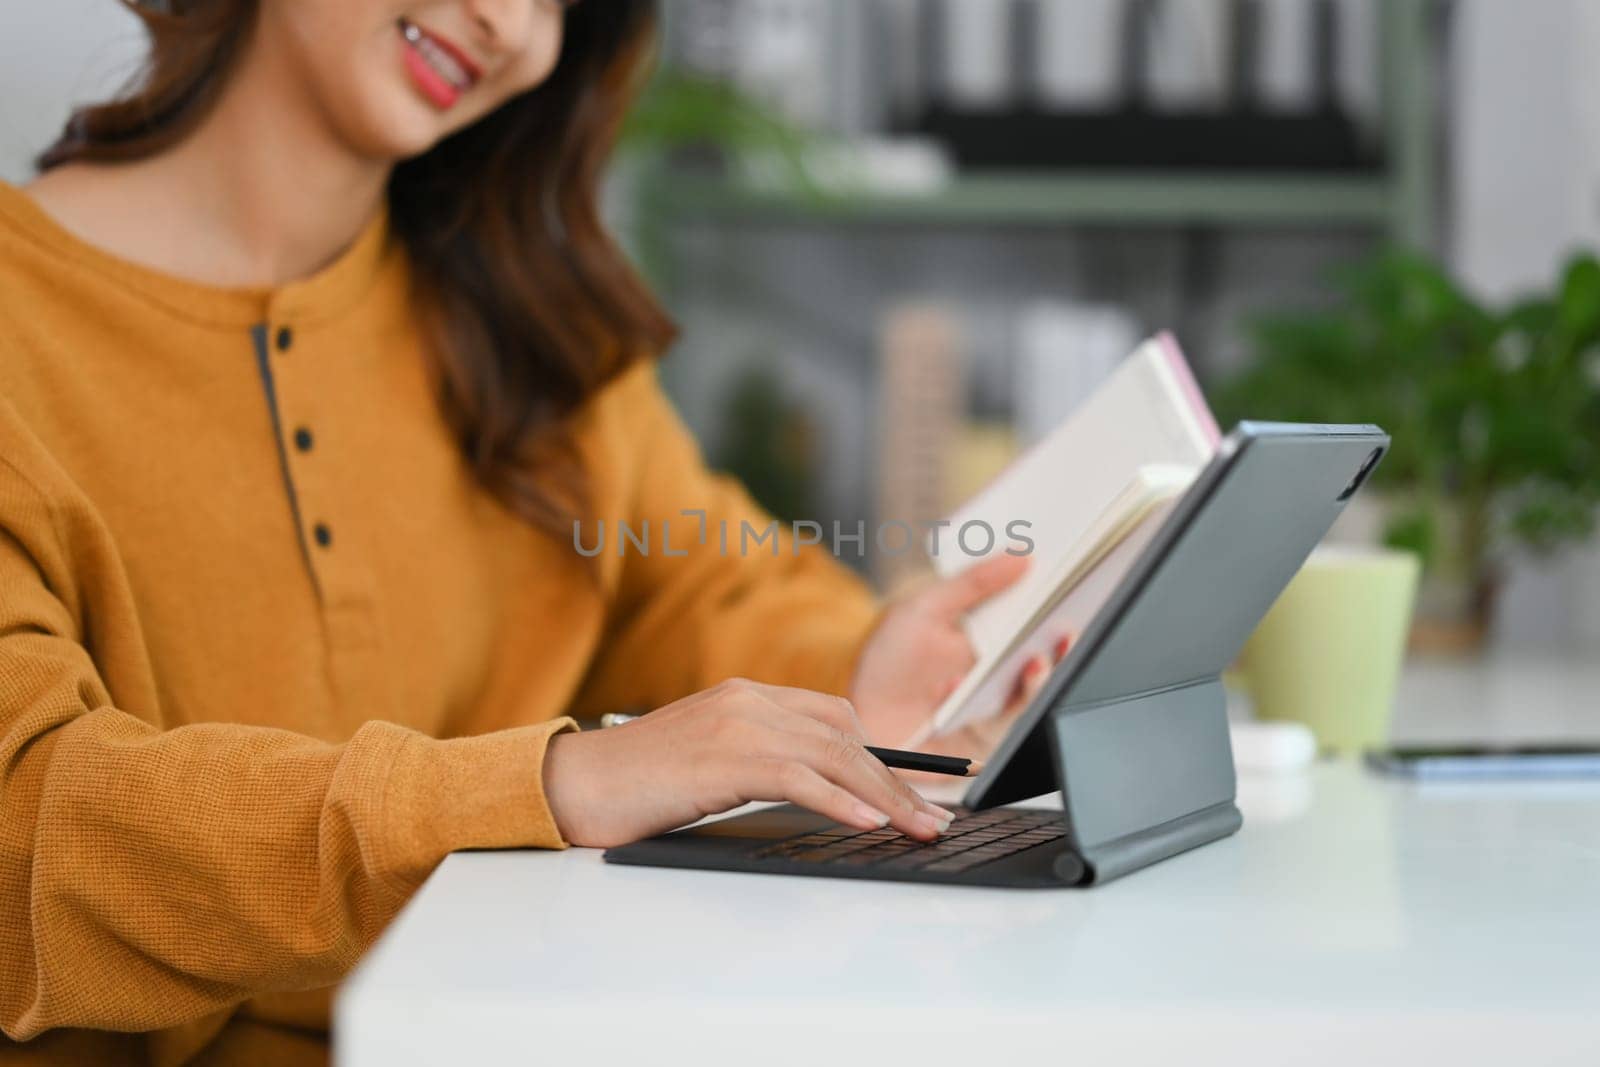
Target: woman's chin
[[403, 131], [409, 144]]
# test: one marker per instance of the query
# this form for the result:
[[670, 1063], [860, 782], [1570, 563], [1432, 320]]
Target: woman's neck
[[261, 194]]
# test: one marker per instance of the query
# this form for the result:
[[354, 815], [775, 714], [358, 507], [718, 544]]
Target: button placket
[[301, 440]]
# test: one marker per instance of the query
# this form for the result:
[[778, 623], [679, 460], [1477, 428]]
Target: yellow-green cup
[[1329, 652]]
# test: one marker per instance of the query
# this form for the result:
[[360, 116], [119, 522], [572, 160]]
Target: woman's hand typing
[[736, 742]]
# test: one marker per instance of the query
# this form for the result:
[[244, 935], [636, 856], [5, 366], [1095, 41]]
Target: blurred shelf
[[1101, 198]]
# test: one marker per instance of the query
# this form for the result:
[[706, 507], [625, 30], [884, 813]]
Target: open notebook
[[1094, 491]]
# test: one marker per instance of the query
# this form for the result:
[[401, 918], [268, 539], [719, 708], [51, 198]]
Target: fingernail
[[869, 814], [1033, 667], [1062, 645], [929, 824], [937, 810]]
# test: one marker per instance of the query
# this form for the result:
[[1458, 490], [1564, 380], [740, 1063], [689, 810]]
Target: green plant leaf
[[1492, 411]]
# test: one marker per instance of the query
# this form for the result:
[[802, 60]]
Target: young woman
[[312, 348]]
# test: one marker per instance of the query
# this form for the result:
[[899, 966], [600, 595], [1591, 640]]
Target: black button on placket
[[304, 440]]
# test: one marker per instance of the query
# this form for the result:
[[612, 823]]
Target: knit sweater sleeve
[[151, 875]]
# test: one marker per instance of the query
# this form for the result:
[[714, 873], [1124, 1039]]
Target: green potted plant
[[1495, 415], [691, 119], [691, 136]]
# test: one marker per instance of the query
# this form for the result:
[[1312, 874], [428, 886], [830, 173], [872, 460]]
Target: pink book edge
[[1191, 388]]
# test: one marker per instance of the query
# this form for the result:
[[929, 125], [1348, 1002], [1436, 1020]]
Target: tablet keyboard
[[974, 839]]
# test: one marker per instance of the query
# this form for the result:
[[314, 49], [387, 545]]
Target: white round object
[[1272, 746]]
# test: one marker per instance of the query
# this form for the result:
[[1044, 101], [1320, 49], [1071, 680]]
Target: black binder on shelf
[[1137, 139], [1237, 134]]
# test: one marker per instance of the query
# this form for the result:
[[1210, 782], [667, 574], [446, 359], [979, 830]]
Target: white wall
[[1525, 169], [53, 55], [1526, 145]]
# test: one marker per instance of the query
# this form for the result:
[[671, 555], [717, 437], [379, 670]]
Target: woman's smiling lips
[[440, 69]]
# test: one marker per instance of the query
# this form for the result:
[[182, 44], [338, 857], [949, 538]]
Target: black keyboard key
[[973, 839]]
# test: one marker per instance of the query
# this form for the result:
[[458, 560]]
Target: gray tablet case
[[1132, 726]]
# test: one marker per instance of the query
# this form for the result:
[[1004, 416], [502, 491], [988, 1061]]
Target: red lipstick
[[437, 66]]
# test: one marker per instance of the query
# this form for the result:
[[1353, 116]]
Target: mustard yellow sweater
[[268, 653]]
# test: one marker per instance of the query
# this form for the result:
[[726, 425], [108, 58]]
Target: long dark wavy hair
[[531, 305]]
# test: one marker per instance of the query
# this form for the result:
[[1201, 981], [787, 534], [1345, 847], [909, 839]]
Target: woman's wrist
[[564, 779]]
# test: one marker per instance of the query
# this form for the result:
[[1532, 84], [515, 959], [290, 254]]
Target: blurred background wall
[[1009, 193], [56, 54]]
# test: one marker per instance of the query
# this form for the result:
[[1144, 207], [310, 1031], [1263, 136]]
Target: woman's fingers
[[821, 718], [977, 739], [1034, 674], [974, 740], [836, 712], [842, 759], [828, 785], [800, 784], [790, 727], [953, 597], [985, 735]]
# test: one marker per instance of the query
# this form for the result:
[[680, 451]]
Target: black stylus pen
[[926, 761], [889, 757]]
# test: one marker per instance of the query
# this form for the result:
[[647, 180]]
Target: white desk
[[1353, 921]]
